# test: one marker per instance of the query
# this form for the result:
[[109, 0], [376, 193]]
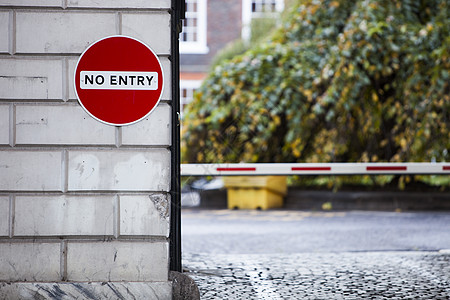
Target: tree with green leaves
[[340, 81]]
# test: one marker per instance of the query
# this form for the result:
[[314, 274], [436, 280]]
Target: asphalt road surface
[[317, 255], [246, 231]]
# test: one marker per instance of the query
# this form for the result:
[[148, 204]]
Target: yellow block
[[253, 198], [275, 184]]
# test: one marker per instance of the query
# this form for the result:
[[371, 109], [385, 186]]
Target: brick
[[4, 32], [30, 171], [66, 124], [4, 124], [61, 32], [4, 216], [117, 261], [64, 215], [166, 67], [144, 215], [153, 130], [30, 79], [165, 63], [151, 28], [34, 3], [79, 290], [222, 28], [145, 170], [72, 64], [30, 261], [119, 4]]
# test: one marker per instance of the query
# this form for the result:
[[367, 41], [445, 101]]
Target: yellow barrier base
[[276, 184], [248, 198]]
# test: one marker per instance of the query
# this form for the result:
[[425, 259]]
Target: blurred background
[[317, 81]]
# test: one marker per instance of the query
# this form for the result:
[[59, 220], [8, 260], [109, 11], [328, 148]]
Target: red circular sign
[[118, 80]]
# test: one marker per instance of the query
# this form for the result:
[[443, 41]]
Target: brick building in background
[[209, 26]]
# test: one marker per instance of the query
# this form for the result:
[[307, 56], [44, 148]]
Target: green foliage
[[261, 28], [232, 50], [340, 81]]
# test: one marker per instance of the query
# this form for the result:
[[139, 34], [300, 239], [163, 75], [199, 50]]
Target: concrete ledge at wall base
[[345, 200], [183, 287], [86, 290]]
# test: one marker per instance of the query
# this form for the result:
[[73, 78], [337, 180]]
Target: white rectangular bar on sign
[[118, 80]]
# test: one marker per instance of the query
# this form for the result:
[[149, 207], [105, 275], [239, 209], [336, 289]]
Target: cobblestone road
[[372, 275], [317, 255]]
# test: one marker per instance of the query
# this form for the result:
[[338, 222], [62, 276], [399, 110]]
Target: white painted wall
[[80, 201]]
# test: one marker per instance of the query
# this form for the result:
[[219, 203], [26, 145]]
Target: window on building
[[253, 9], [193, 35], [187, 89], [264, 6]]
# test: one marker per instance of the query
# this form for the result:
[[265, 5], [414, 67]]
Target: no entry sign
[[118, 80]]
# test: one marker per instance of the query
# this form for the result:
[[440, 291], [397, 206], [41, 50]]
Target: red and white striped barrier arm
[[315, 169]]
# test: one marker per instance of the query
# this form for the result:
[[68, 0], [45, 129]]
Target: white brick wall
[[4, 31], [4, 215], [120, 3], [22, 79], [61, 32], [64, 215], [117, 261], [72, 64], [167, 92], [55, 124], [150, 28], [72, 32], [30, 170], [35, 261], [153, 4], [54, 3], [4, 124], [69, 182], [153, 130], [146, 170], [144, 215]]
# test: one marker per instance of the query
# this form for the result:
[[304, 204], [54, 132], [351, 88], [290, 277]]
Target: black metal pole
[[177, 14]]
